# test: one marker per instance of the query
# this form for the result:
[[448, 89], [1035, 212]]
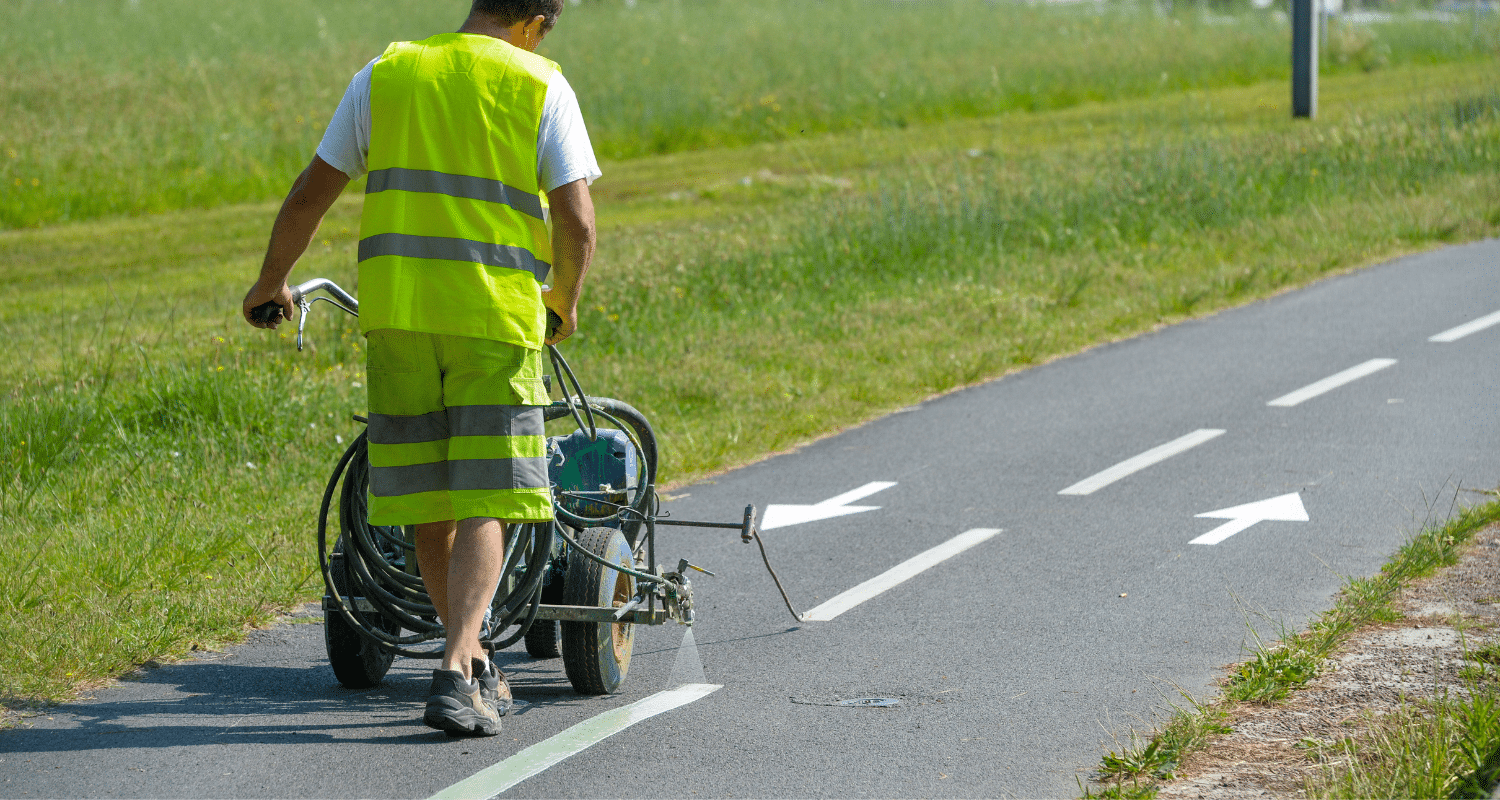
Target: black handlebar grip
[[266, 312], [553, 323]]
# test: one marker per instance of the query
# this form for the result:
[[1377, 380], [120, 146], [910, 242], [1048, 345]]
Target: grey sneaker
[[459, 707], [490, 681]]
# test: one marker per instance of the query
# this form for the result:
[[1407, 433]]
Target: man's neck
[[485, 25]]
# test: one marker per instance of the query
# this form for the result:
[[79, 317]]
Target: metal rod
[[686, 524], [596, 614], [627, 608]]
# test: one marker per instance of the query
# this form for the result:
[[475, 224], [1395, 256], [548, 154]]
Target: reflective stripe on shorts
[[430, 462], [401, 463]]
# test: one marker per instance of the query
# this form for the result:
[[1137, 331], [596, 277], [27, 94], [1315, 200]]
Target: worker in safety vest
[[461, 135]]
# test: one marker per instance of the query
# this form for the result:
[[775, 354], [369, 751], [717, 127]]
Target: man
[[460, 135]]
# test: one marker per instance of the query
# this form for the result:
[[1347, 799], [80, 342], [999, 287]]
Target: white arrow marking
[[1454, 334], [783, 516], [1286, 508]]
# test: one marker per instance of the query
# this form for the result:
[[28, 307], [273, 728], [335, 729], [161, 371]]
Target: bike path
[[1015, 662]]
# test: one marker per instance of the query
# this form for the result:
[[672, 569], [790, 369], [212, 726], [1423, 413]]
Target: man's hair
[[509, 12]]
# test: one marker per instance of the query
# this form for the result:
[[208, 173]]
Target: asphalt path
[[1018, 655]]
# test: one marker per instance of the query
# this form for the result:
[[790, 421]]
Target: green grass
[[1448, 747], [854, 273], [129, 107], [1451, 744]]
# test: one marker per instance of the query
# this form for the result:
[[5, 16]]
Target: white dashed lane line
[[1475, 326], [1332, 382], [898, 574], [1130, 466]]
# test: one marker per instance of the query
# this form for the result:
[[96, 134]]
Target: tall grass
[[1448, 747], [148, 516], [116, 106]]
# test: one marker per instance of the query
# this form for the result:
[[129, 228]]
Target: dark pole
[[1305, 58]]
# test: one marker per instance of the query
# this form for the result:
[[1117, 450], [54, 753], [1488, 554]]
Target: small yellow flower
[[11, 151], [36, 182], [219, 369]]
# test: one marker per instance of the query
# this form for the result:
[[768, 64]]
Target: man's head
[[510, 12]]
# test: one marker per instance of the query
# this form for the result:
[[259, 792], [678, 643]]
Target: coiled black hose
[[373, 562]]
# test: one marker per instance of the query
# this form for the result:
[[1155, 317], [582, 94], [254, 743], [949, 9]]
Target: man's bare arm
[[573, 239], [312, 195]]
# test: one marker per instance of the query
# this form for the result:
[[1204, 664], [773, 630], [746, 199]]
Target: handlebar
[[270, 312]]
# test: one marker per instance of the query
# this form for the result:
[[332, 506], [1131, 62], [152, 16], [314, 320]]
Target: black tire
[[357, 661], [596, 655], [544, 637]]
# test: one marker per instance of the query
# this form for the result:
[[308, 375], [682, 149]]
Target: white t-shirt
[[564, 152]]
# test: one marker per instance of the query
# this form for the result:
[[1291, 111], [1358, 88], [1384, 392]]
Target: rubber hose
[[370, 555]]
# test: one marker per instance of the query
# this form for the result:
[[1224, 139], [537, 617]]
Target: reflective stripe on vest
[[453, 239]]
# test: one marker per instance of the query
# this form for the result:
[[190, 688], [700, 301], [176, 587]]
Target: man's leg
[[461, 566]]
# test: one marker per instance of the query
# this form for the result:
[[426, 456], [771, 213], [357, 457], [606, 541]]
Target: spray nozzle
[[683, 566]]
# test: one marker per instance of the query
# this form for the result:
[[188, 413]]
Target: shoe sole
[[447, 715]]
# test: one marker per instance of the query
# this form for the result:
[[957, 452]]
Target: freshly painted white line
[[1332, 382], [1130, 466], [780, 516], [1286, 508], [898, 574], [1475, 326], [492, 781]]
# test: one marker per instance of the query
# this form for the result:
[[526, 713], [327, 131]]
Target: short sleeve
[[564, 152], [346, 142]]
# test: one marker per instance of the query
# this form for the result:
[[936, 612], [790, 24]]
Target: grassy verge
[[1445, 748], [131, 107], [746, 299], [1437, 748]]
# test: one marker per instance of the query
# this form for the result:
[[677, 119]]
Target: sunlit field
[[122, 106]]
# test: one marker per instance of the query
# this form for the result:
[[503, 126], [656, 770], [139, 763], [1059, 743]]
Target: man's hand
[[565, 310], [258, 296]]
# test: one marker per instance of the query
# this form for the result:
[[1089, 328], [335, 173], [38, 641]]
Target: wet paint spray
[[688, 668]]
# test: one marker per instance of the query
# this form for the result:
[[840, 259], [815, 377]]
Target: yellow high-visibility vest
[[454, 237]]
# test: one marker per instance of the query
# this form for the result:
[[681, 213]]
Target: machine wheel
[[357, 662], [543, 638], [596, 655]]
